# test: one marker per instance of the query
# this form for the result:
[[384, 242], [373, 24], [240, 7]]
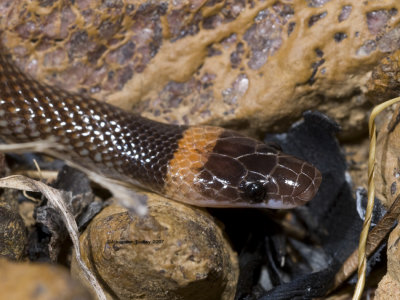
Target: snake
[[201, 165]]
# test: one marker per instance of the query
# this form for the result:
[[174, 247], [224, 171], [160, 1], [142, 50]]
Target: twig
[[362, 260]]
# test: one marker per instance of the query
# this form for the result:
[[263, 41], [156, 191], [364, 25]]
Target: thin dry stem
[[362, 261], [56, 199]]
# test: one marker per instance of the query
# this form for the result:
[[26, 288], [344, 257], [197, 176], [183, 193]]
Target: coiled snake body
[[199, 165]]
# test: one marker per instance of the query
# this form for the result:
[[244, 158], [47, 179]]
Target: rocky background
[[249, 64], [255, 66]]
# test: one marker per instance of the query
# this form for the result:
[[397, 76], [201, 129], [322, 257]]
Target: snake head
[[238, 171]]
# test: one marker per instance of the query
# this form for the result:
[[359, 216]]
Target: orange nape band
[[191, 155]]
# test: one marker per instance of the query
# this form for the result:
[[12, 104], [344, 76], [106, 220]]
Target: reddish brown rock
[[255, 65], [176, 252]]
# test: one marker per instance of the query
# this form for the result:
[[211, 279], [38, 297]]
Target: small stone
[[38, 281], [176, 252]]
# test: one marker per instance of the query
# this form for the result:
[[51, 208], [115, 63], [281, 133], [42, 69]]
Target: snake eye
[[255, 191]]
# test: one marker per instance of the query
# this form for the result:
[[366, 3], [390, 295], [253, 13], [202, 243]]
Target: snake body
[[199, 165]]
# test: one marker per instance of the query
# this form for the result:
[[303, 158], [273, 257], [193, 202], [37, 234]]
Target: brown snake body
[[199, 165]]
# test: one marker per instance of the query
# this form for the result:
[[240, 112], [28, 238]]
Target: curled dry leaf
[[80, 201], [55, 198]]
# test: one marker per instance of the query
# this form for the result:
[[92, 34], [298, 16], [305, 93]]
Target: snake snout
[[298, 181], [309, 192]]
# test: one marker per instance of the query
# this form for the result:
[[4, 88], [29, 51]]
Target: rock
[[13, 235], [393, 253], [388, 289], [38, 281], [389, 286], [387, 189], [357, 162], [384, 83], [176, 252], [387, 179], [254, 66]]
